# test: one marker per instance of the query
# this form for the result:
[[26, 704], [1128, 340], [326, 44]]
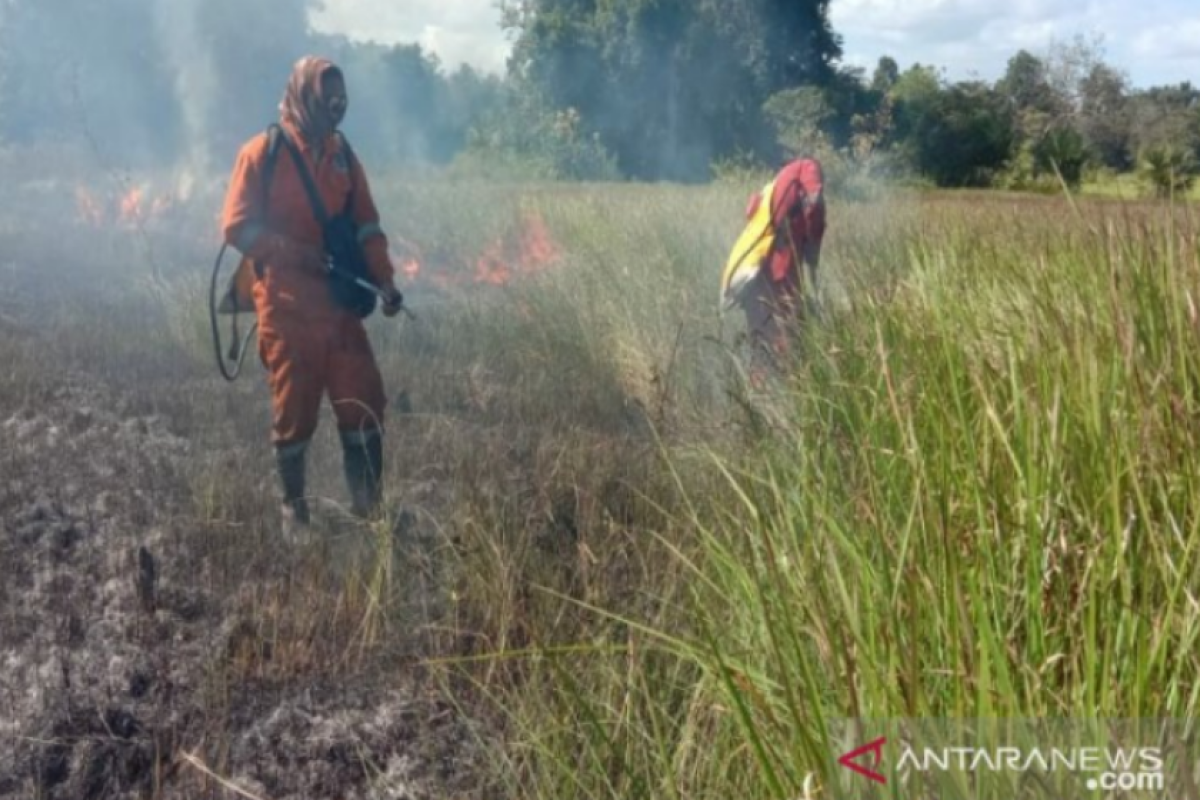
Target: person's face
[[333, 95]]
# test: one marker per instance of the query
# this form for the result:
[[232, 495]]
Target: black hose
[[238, 347]]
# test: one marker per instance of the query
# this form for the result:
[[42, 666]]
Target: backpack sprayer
[[234, 303], [345, 263]]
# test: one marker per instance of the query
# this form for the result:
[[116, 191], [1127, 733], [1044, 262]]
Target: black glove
[[393, 301]]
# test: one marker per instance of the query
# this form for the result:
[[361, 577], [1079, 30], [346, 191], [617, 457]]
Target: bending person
[[777, 253]]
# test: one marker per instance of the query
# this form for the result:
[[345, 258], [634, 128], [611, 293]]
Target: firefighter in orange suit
[[310, 345]]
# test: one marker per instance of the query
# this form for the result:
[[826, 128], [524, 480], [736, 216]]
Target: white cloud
[[1179, 40], [926, 20], [970, 38], [977, 37], [458, 31]]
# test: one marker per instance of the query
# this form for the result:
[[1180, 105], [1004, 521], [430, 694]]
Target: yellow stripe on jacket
[[751, 249]]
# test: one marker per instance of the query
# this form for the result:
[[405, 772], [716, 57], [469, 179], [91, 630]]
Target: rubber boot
[[362, 453], [289, 460]]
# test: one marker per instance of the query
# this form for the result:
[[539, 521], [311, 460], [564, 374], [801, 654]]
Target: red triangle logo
[[850, 760]]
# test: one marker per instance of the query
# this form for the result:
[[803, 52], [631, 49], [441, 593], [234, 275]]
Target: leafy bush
[[538, 143], [740, 169], [1169, 170], [1063, 154]]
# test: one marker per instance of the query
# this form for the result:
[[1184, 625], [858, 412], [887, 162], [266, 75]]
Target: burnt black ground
[[117, 643]]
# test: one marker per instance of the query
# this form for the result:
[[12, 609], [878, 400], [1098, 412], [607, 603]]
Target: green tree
[[887, 72], [522, 137], [1062, 152], [914, 97], [852, 101], [1037, 107], [1169, 169], [958, 135], [972, 137], [799, 117], [671, 84], [1026, 87], [1068, 64], [1105, 116], [467, 98], [1166, 118]]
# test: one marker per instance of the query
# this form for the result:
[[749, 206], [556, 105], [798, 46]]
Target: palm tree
[[1169, 169]]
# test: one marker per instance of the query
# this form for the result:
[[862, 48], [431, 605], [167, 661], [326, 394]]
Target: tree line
[[1049, 120], [637, 89]]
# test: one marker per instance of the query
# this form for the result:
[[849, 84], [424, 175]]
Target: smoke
[[152, 85], [195, 80]]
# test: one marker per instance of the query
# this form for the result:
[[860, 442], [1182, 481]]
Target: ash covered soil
[[119, 648]]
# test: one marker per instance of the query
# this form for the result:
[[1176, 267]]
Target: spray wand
[[363, 283]]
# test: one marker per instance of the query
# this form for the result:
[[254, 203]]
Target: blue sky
[[1153, 41]]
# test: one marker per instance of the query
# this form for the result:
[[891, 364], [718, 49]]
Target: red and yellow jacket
[[787, 214]]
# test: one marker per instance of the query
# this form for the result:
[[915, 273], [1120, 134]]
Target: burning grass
[[975, 497]]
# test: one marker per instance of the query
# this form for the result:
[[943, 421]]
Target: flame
[[533, 251], [406, 254], [131, 205], [490, 268], [527, 251], [135, 206], [91, 212], [539, 247]]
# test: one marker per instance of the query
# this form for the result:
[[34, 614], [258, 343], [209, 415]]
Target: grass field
[[1126, 187], [975, 495]]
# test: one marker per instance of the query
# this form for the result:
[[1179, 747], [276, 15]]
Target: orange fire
[[529, 251], [133, 207], [410, 268], [491, 267], [91, 211], [532, 251]]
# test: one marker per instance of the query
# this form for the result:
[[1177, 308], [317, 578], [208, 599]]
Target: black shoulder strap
[[310, 186], [345, 143], [274, 137], [351, 160]]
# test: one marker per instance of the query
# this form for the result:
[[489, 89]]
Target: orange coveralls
[[308, 344]]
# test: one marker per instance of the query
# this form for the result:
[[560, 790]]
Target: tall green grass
[[981, 502]]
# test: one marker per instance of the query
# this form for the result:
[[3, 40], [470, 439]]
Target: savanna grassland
[[620, 573]]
